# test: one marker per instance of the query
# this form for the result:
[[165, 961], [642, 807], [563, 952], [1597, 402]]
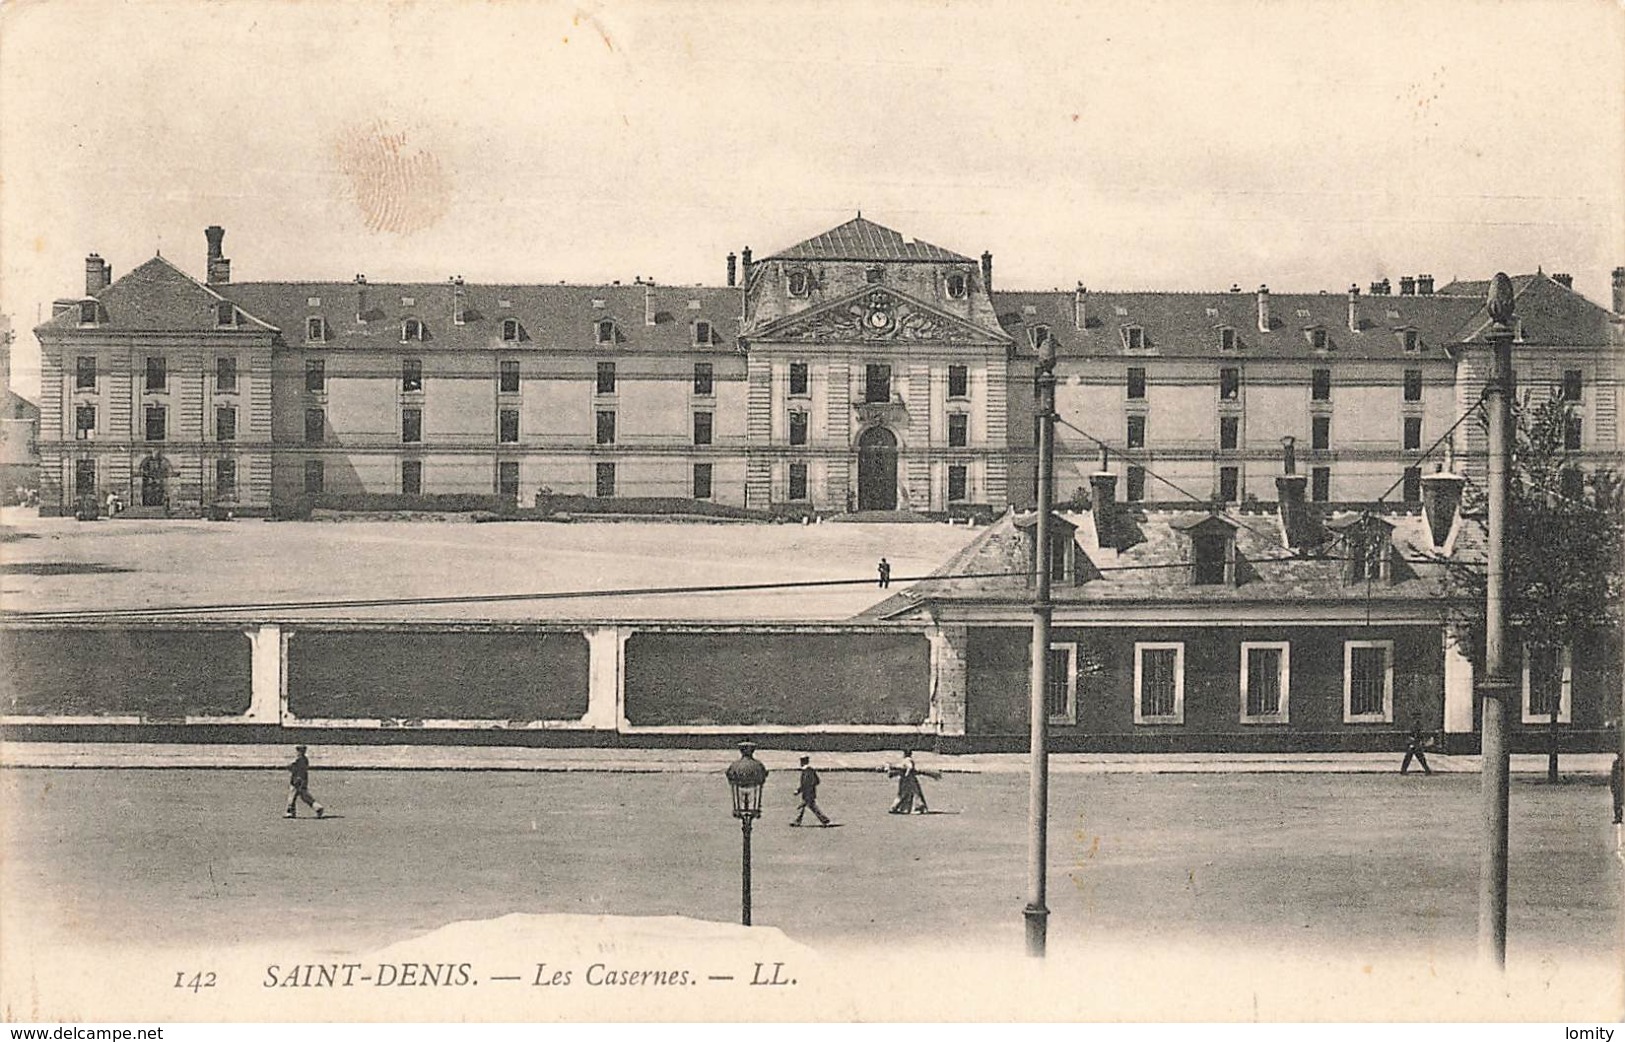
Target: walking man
[[299, 785], [1415, 746], [910, 797], [884, 568], [807, 789]]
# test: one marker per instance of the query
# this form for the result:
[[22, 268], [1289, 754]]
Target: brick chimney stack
[[97, 274], [1354, 308], [219, 266], [1080, 307], [1424, 285], [1565, 280], [744, 265], [733, 269], [987, 270], [1263, 309], [1407, 286], [1103, 503], [1619, 291], [1290, 487]]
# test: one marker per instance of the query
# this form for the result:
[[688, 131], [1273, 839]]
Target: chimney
[[1619, 291], [733, 269], [1235, 287], [97, 275], [1441, 498], [457, 300], [1080, 307], [1382, 289], [1565, 280], [987, 270], [1103, 504], [219, 266], [744, 265], [1407, 286], [360, 297], [1424, 285], [1289, 493], [1263, 309], [1354, 308], [649, 303]]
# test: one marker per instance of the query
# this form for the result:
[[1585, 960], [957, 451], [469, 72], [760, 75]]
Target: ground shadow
[[61, 568]]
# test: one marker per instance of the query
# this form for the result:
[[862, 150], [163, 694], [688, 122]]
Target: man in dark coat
[[299, 785], [884, 569], [1415, 746], [807, 790], [1616, 782]]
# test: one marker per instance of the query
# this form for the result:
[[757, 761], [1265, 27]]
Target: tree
[[1565, 544]]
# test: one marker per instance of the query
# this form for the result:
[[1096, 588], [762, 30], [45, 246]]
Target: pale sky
[[1176, 145]]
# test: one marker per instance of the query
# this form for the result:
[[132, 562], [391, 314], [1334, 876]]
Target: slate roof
[[1548, 313], [1154, 566], [157, 296], [864, 240], [19, 408]]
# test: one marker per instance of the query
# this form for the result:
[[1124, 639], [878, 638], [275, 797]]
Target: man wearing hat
[[299, 784], [808, 791]]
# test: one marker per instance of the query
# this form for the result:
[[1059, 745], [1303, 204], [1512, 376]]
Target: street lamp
[[746, 776]]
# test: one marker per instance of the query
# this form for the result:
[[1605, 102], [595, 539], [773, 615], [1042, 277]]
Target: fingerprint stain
[[395, 186]]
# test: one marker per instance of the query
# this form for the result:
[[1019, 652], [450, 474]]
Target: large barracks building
[[857, 370]]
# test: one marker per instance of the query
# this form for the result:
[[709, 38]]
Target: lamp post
[[1035, 915], [746, 776]]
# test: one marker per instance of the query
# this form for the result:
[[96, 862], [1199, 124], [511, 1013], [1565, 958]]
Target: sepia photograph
[[928, 511]]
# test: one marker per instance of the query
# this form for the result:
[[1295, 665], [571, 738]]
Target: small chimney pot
[[1354, 309], [1263, 309], [987, 270], [733, 269], [1407, 286], [1424, 285]]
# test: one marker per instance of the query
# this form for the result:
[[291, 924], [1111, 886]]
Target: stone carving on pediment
[[876, 316]]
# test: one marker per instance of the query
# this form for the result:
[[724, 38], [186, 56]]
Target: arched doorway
[[877, 469], [154, 483]]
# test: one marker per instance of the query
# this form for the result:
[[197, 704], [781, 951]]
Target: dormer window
[[1040, 337], [411, 329], [1413, 341], [1317, 338], [605, 331], [1367, 550], [510, 329], [956, 286], [800, 284], [702, 333], [90, 312], [874, 274], [315, 328], [225, 313], [1133, 338], [1213, 559], [1227, 339]]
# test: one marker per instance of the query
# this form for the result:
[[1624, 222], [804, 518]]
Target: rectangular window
[[89, 312], [1061, 685], [84, 479], [798, 428], [508, 426], [508, 376], [225, 375], [1136, 384], [1368, 681], [606, 331], [606, 378], [604, 485], [877, 383], [1265, 669], [84, 422], [958, 482], [411, 329], [798, 379], [225, 314], [1571, 433], [412, 477], [702, 333], [1317, 339], [1229, 432], [84, 373], [314, 477], [411, 425], [1133, 338], [157, 373], [510, 330], [157, 420], [411, 375], [606, 427], [1229, 384], [1413, 432], [1136, 432], [702, 481], [958, 381], [1320, 484], [225, 479], [315, 328], [1229, 484], [1159, 683], [703, 379], [1320, 385], [315, 426], [958, 430], [225, 423], [1548, 677], [1413, 385], [702, 428], [1136, 484], [1227, 339], [1573, 385], [1411, 483], [1413, 341], [315, 375], [1320, 433], [508, 479], [798, 481]]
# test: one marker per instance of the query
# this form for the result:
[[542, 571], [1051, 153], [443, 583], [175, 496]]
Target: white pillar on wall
[[948, 669], [605, 692], [268, 673], [1458, 688]]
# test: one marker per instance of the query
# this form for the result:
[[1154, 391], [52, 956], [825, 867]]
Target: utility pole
[[1496, 685], [1036, 913]]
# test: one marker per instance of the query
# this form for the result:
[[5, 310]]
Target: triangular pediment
[[878, 314], [158, 297]]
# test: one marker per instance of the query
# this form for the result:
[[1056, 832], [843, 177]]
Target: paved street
[[1320, 862]]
